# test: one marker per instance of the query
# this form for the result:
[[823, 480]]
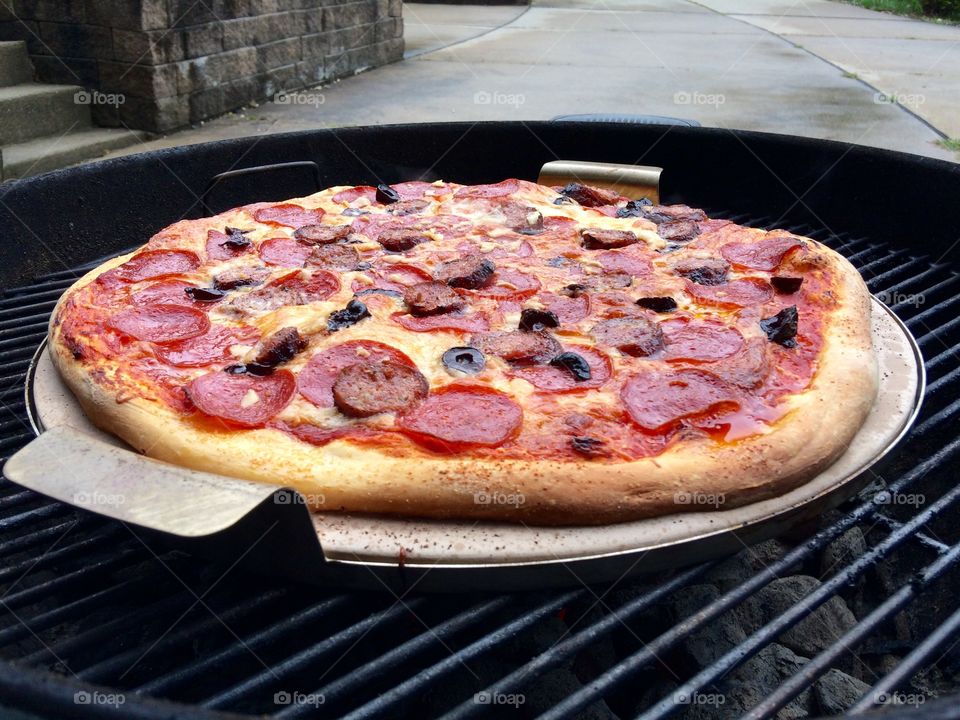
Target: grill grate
[[92, 601]]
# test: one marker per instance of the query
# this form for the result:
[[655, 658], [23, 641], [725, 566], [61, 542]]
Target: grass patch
[[952, 144], [931, 9]]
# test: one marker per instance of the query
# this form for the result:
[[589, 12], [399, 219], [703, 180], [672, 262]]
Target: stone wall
[[170, 63]]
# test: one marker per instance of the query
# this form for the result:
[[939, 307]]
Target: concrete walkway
[[815, 68]]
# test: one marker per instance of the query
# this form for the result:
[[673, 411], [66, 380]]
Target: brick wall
[[177, 62]]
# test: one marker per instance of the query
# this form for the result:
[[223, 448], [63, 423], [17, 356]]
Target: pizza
[[507, 351]]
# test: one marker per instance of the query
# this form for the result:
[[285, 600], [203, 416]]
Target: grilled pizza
[[507, 351]]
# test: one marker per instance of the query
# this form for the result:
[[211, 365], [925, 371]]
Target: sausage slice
[[518, 346], [470, 272], [365, 389], [604, 239], [635, 336], [431, 298], [321, 234]]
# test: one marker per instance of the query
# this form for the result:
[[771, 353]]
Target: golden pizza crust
[[342, 476]]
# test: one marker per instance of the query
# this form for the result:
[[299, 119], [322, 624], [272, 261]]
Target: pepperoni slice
[[457, 418], [318, 286], [557, 379], [657, 400], [321, 436], [625, 261], [168, 292], [507, 284], [348, 196], [416, 189], [372, 225], [160, 323], [392, 277], [567, 309], [211, 347], [244, 400], [283, 251], [156, 263], [763, 255], [216, 250], [318, 375], [736, 293], [699, 341], [288, 214], [474, 322], [506, 187]]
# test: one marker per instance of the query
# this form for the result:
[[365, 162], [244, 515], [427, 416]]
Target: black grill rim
[[42, 691]]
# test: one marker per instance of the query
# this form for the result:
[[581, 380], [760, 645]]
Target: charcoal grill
[[93, 613]]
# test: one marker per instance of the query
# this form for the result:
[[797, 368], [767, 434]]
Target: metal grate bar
[[920, 537], [295, 623], [818, 665], [595, 689], [755, 642], [88, 603], [98, 635], [896, 678], [264, 680], [16, 302], [429, 676], [570, 647], [51, 510], [28, 540], [389, 661], [29, 321], [122, 662], [86, 544]]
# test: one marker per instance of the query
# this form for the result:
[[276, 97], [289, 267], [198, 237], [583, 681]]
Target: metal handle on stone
[[86, 472], [632, 181]]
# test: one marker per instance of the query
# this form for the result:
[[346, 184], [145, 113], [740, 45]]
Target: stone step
[[15, 66], [32, 110], [56, 151]]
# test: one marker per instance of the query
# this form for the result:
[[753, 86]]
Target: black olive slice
[[634, 208], [464, 359], [658, 304], [782, 327], [251, 368], [354, 212], [564, 200], [354, 312], [574, 364], [574, 290], [204, 294], [589, 446], [236, 239], [380, 291], [533, 320], [786, 285], [387, 195]]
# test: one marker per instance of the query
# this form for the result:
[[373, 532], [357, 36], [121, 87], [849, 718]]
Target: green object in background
[[942, 9]]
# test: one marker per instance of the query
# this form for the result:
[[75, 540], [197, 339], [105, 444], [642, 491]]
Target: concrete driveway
[[816, 68]]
